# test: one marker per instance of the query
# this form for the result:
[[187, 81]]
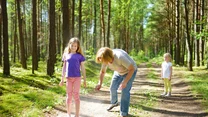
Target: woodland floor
[[181, 103]]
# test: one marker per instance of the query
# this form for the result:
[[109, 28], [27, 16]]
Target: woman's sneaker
[[163, 94], [112, 106]]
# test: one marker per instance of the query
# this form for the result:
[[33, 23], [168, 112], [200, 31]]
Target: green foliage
[[158, 60], [90, 53], [139, 57]]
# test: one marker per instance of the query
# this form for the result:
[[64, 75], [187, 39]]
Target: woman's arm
[[102, 74], [128, 76]]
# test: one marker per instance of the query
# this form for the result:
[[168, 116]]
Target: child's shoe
[[163, 94], [168, 95]]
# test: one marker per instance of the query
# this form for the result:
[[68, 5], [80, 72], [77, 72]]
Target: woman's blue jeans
[[125, 94]]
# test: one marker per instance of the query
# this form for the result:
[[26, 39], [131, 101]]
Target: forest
[[34, 33], [40, 29]]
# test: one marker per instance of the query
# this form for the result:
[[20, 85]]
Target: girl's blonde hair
[[71, 41], [168, 55], [104, 55]]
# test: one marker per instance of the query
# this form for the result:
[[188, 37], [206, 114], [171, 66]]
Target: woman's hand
[[122, 85], [98, 87]]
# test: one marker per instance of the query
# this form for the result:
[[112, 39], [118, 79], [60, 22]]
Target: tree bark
[[188, 38], [202, 31], [0, 35], [80, 20], [15, 33], [52, 41], [102, 22], [6, 66], [21, 37], [109, 17], [73, 16], [65, 10], [177, 58], [197, 31], [34, 34], [95, 26]]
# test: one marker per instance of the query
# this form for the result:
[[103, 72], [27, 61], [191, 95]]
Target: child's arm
[[170, 72], [83, 72], [63, 73]]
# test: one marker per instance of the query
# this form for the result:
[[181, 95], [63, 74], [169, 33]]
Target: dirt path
[[181, 103]]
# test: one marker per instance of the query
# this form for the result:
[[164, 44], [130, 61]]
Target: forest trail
[[181, 103]]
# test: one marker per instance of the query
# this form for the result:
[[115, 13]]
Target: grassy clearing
[[26, 95], [30, 95]]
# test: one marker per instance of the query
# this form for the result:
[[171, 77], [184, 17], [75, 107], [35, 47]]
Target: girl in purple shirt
[[73, 60]]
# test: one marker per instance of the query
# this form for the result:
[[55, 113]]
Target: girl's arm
[[170, 72], [83, 72], [63, 74]]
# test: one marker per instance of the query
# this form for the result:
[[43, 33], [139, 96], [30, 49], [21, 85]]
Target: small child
[[166, 74], [73, 60]]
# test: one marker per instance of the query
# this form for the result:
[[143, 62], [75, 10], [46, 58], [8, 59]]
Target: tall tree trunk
[[177, 59], [109, 17], [34, 34], [80, 19], [102, 21], [52, 40], [0, 35], [15, 33], [6, 66], [59, 35], [95, 26], [197, 31], [202, 31], [188, 38], [170, 28], [73, 16], [65, 10], [27, 39], [22, 45]]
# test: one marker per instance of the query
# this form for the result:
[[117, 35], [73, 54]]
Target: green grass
[[198, 79], [152, 75], [24, 91], [24, 94]]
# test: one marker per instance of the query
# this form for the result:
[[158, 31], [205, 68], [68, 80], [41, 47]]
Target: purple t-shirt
[[73, 63]]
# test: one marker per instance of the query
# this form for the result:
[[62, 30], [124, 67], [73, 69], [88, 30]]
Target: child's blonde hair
[[104, 55], [71, 41], [168, 55]]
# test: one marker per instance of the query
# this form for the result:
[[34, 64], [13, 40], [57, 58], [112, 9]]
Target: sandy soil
[[181, 103]]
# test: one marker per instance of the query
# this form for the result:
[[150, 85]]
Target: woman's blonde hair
[[168, 55], [71, 41], [104, 55]]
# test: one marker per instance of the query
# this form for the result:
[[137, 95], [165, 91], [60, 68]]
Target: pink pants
[[72, 89]]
